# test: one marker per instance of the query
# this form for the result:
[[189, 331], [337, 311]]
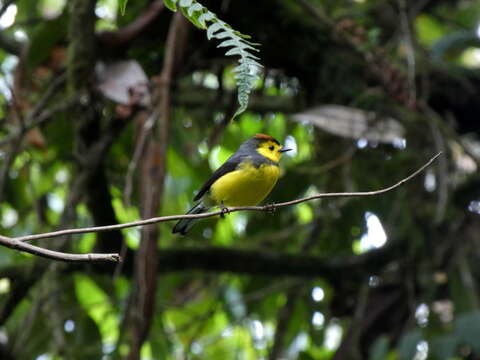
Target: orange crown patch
[[266, 138]]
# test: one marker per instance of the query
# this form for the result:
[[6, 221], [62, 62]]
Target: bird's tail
[[184, 225]]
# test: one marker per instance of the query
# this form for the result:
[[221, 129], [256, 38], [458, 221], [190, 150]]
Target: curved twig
[[55, 255], [219, 212]]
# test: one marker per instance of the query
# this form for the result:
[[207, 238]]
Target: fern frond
[[246, 73], [171, 4], [122, 4]]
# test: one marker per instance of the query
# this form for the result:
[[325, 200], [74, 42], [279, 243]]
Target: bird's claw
[[225, 210], [270, 208]]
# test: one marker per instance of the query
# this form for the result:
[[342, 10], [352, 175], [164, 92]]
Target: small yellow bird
[[245, 179]]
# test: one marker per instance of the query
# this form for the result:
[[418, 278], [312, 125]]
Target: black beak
[[284, 150]]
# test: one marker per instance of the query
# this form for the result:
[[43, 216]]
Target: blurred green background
[[108, 118]]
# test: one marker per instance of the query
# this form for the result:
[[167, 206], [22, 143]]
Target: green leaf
[[194, 8], [192, 16], [26, 9], [428, 29], [467, 328], [407, 347], [252, 59], [379, 349], [229, 43], [241, 108], [234, 51], [207, 16], [123, 6], [97, 304], [245, 73], [444, 347], [223, 34], [212, 29], [171, 4]]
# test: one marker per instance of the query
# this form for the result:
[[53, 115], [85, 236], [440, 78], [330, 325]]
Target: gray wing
[[228, 166]]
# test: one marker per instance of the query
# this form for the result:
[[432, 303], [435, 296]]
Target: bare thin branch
[[219, 212], [137, 155], [354, 194], [55, 255]]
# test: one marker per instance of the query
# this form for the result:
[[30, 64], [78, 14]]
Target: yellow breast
[[246, 186]]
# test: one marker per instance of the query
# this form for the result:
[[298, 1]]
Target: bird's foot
[[270, 208], [225, 210]]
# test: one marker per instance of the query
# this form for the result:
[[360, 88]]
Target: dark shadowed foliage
[[108, 118]]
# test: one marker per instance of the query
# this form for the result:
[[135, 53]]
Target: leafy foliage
[[246, 73], [123, 5], [391, 277]]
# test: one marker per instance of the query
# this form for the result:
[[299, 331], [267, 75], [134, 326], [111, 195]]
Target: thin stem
[[56, 255], [219, 212]]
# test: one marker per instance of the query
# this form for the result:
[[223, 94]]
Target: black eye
[[271, 147]]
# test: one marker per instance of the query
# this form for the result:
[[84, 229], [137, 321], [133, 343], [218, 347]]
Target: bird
[[245, 179]]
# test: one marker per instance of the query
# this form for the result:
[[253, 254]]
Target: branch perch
[[19, 242], [55, 255]]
